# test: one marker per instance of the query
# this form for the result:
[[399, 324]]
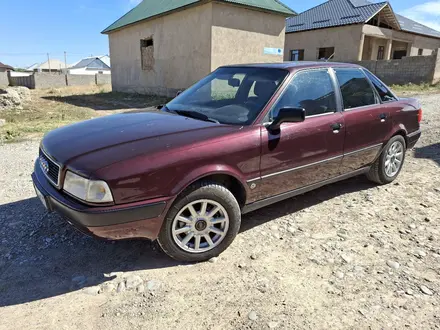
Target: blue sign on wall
[[273, 51]]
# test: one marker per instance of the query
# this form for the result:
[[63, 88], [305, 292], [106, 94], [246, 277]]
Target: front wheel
[[201, 224], [389, 164]]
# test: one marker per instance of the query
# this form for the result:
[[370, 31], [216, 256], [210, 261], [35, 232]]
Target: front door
[[367, 121], [301, 154]]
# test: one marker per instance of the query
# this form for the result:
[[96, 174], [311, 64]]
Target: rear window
[[355, 87], [383, 91]]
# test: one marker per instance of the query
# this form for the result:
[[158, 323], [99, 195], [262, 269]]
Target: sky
[[32, 29]]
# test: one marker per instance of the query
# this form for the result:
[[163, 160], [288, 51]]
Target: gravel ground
[[350, 255]]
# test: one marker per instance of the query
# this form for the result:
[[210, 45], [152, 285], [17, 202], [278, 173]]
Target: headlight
[[87, 190]]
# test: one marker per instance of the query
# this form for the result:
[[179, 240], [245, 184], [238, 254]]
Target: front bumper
[[136, 220]]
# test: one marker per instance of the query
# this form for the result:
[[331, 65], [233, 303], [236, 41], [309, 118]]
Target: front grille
[[50, 168]]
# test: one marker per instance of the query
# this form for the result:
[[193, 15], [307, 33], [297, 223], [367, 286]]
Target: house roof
[[412, 26], [344, 12], [151, 8], [53, 64], [5, 66], [96, 62]]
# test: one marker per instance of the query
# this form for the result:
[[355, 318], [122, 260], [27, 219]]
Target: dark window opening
[[147, 54], [325, 53], [420, 51], [297, 55], [381, 53], [399, 54], [146, 42]]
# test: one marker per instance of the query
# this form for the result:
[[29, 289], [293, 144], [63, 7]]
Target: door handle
[[336, 127], [383, 117]]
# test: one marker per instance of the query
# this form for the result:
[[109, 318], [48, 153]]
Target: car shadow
[[301, 202], [429, 152], [41, 256], [108, 101]]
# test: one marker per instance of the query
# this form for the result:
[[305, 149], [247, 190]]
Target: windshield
[[231, 95]]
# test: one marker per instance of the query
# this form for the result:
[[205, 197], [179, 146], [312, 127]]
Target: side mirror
[[288, 115], [178, 93], [234, 82]]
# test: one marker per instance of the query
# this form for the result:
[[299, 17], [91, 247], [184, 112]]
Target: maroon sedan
[[244, 137]]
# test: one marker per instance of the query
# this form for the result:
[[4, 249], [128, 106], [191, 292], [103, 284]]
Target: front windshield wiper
[[195, 115]]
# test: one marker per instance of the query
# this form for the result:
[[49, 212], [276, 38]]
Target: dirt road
[[350, 255]]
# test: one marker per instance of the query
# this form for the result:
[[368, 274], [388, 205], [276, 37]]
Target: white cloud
[[427, 13]]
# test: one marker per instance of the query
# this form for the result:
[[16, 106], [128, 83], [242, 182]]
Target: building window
[[297, 55], [147, 54], [381, 53], [326, 53], [420, 51], [399, 54]]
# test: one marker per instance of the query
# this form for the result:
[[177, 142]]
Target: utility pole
[[48, 61], [65, 62]]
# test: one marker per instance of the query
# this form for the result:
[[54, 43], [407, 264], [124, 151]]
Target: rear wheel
[[201, 224], [388, 166]]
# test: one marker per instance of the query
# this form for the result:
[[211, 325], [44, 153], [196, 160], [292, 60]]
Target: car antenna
[[330, 57]]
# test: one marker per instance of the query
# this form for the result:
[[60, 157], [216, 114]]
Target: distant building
[[355, 30], [5, 68], [161, 47], [91, 66], [52, 65]]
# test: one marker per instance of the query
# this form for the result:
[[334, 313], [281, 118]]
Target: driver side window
[[312, 90]]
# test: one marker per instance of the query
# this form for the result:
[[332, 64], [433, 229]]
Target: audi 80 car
[[243, 137]]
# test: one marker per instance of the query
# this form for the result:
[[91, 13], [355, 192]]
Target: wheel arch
[[222, 175], [401, 132], [398, 130]]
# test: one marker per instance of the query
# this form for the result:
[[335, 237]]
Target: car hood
[[90, 145]]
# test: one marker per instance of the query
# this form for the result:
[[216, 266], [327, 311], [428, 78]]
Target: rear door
[[367, 121], [301, 154]]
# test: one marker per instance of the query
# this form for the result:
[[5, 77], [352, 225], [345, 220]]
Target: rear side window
[[312, 90], [383, 91], [356, 89]]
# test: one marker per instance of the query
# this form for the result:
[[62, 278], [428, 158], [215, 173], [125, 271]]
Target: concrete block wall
[[27, 81], [55, 80], [4, 81], [49, 80], [436, 79], [103, 79], [80, 80], [414, 69]]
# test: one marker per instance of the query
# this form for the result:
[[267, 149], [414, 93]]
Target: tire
[[228, 218], [379, 172]]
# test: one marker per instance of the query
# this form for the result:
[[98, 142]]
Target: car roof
[[295, 65]]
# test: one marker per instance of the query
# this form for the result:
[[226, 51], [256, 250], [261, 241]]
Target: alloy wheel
[[394, 159], [200, 226]]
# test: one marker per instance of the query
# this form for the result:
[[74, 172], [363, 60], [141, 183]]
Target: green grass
[[414, 88], [27, 122], [52, 108]]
